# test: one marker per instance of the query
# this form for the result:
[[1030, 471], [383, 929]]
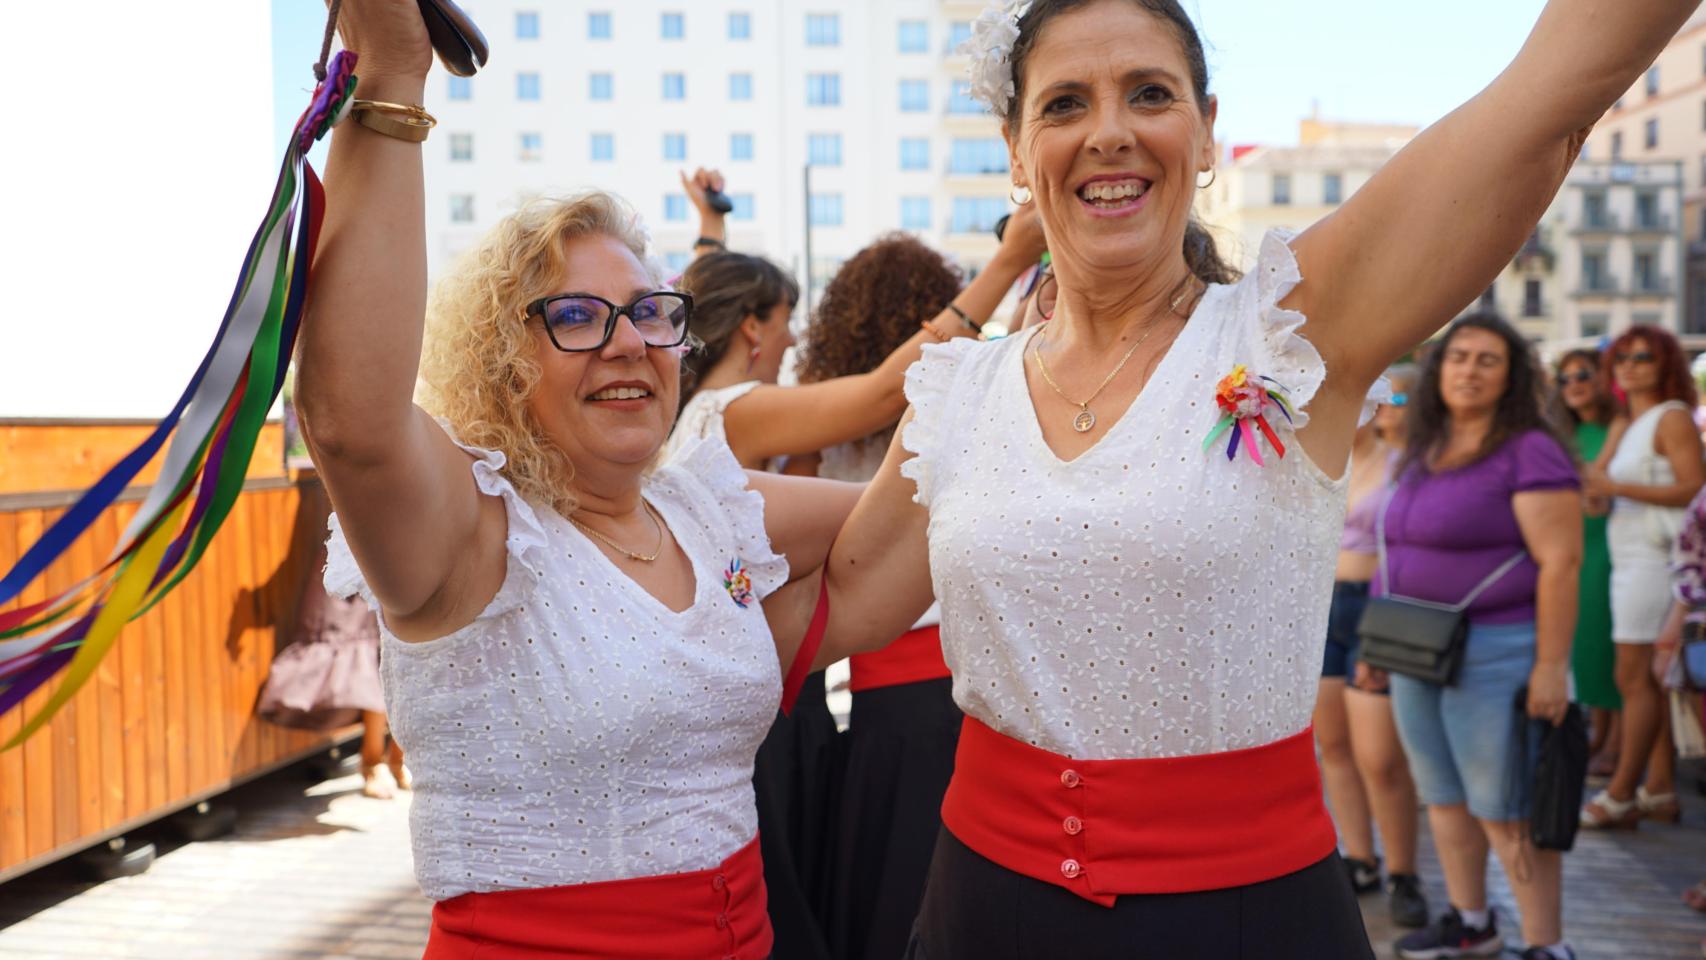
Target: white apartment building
[[1621, 250], [622, 96]]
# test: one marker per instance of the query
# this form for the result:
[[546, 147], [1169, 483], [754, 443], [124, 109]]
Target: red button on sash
[[1070, 869], [1070, 778], [719, 882], [1072, 825], [722, 921]]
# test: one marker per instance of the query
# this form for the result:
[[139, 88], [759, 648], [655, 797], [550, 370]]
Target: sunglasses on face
[[1580, 376], [581, 322], [1638, 357]]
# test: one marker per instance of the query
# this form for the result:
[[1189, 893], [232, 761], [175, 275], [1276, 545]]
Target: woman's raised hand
[[1023, 240], [388, 36], [697, 185]]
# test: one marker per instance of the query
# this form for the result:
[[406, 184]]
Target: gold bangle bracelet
[[399, 120]]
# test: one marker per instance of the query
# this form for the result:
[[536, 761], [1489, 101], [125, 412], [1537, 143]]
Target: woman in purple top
[[1482, 479]]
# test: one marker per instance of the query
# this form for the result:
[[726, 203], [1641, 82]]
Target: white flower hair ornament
[[990, 49]]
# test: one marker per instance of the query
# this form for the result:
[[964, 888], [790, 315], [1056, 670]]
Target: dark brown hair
[[1519, 410], [1604, 406], [726, 289], [1675, 383], [1201, 254], [875, 303]]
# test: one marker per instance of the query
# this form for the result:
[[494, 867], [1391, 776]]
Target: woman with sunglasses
[[1652, 472], [577, 654], [1583, 404]]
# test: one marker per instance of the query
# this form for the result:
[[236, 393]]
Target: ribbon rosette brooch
[[1244, 401], [738, 583]]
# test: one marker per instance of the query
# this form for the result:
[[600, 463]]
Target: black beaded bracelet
[[710, 242], [968, 321]]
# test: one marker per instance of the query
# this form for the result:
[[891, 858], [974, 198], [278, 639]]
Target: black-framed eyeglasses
[[1580, 376], [580, 322]]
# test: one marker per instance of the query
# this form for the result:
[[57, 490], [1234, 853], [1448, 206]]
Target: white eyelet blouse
[[579, 730], [1149, 598]]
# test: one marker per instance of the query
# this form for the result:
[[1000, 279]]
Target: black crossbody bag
[[1418, 638]]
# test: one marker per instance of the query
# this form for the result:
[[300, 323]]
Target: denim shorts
[[1349, 599], [1465, 741]]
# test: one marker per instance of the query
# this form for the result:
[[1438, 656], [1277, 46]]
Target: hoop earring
[[1213, 174], [1020, 194]]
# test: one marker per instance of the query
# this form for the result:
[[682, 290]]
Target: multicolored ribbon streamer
[[1244, 400], [213, 429]]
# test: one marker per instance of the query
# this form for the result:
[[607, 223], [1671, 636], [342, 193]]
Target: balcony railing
[[1598, 287], [1656, 223], [1655, 287], [1602, 223], [1536, 308]]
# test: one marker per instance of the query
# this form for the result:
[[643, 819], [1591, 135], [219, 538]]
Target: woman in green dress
[[1585, 405]]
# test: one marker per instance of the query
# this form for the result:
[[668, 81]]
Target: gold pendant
[[1085, 421]]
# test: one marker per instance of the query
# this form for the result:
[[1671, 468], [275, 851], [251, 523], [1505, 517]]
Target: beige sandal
[[1658, 806], [1605, 813]]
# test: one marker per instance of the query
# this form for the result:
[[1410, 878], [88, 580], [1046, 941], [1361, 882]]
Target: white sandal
[[1662, 807], [1604, 812]]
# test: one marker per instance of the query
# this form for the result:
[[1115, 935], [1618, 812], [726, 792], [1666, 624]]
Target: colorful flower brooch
[[738, 583], [1244, 400]]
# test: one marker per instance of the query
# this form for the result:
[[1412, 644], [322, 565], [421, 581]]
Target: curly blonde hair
[[479, 363]]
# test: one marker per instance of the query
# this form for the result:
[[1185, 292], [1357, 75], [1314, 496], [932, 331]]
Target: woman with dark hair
[[742, 305], [899, 747], [1130, 513], [1485, 513], [1653, 473], [1583, 404]]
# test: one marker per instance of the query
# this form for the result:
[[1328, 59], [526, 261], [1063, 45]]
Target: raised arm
[[403, 492], [1433, 228], [772, 421], [713, 227]]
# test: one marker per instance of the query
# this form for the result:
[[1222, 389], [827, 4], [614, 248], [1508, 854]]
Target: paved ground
[[317, 870]]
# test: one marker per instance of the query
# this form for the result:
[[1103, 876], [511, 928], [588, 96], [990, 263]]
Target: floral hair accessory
[[990, 48], [738, 583], [1244, 400]]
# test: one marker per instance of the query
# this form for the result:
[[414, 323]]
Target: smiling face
[[1474, 372], [1111, 136], [609, 410], [1579, 386]]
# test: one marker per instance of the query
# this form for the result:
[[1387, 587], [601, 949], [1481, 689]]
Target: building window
[[824, 149], [675, 146], [740, 146], [977, 214], [1489, 299], [914, 153], [461, 88], [461, 208], [1616, 145], [823, 89], [978, 155], [1646, 271], [825, 209], [675, 86], [960, 100], [674, 207], [531, 149], [915, 213], [1531, 304], [1332, 188], [603, 147], [598, 26], [823, 30], [1652, 133], [1647, 210], [958, 32], [1593, 211], [1595, 324], [527, 86], [673, 26], [1282, 189], [740, 26], [527, 26], [743, 206], [1703, 114], [914, 96], [914, 36], [461, 147], [602, 86], [1653, 81], [740, 86], [1593, 272]]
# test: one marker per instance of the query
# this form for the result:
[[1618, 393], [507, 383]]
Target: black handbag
[[1560, 775], [1418, 638]]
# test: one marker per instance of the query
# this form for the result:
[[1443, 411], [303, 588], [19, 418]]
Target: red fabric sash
[[803, 657], [716, 914], [1102, 828], [916, 656]]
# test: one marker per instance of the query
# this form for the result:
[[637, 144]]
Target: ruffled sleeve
[[525, 542], [709, 464], [929, 387], [1282, 352]]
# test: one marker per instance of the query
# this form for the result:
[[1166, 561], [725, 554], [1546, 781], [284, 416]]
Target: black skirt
[[975, 909], [796, 779], [900, 755]]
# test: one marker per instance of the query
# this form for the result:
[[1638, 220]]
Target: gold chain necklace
[[1085, 420], [631, 555]]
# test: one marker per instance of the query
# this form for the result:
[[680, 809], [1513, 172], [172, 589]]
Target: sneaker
[[1405, 899], [1364, 874], [1448, 937], [1542, 953]]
